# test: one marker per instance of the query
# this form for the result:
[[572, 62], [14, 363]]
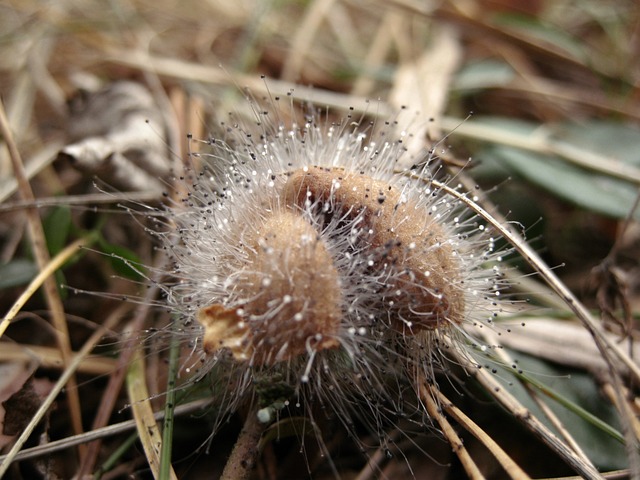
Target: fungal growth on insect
[[312, 264]]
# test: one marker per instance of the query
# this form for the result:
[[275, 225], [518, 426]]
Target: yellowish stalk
[[57, 388], [37, 282], [450, 434], [41, 254], [49, 357], [148, 430], [511, 467]]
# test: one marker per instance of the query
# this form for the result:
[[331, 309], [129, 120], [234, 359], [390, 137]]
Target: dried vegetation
[[554, 88]]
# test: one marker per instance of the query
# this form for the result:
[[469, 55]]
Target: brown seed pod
[[292, 296], [419, 272]]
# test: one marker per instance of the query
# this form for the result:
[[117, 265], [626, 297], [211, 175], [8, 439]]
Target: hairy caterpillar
[[312, 262]]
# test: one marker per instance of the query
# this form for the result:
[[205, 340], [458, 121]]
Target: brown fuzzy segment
[[292, 291], [417, 266]]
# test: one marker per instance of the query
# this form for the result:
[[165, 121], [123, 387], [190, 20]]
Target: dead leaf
[[119, 135], [19, 409], [13, 377], [424, 85]]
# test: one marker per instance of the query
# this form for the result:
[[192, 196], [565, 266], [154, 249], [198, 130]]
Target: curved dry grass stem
[[45, 273], [607, 347], [450, 434], [521, 413], [492, 339], [41, 254], [148, 431]]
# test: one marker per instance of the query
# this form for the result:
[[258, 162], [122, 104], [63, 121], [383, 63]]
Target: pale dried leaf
[[423, 85], [560, 341], [120, 136], [13, 377]]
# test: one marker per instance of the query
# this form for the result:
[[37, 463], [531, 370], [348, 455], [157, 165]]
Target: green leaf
[[57, 225], [17, 272], [598, 192], [483, 74], [617, 140], [591, 191]]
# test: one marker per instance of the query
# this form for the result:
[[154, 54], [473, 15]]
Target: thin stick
[[39, 247], [44, 274], [245, 453], [92, 435], [603, 342], [450, 434], [511, 467], [521, 413], [57, 388]]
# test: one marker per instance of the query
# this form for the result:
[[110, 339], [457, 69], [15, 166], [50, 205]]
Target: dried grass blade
[[60, 384], [48, 357], [99, 433], [511, 467], [45, 273], [544, 143], [605, 345], [148, 431], [585, 469], [548, 413], [41, 254], [450, 434]]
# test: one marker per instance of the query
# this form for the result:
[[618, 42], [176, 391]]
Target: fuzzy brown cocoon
[[403, 246], [292, 291]]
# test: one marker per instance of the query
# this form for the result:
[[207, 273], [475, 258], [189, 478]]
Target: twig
[[39, 247], [511, 467], [450, 434], [60, 384], [115, 429]]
